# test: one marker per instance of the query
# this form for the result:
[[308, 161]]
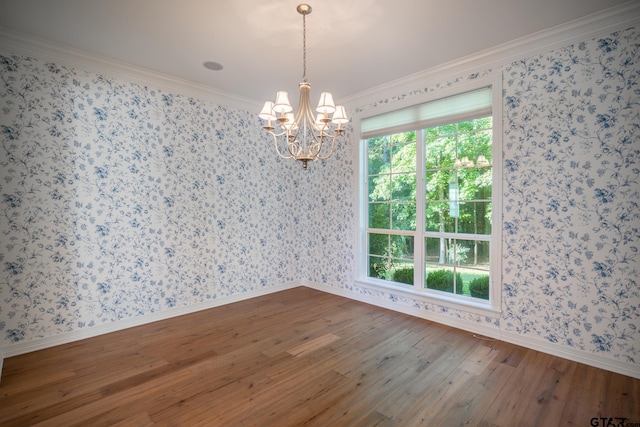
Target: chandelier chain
[[304, 47]]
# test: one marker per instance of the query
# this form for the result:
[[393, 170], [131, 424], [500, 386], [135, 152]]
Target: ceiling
[[352, 45]]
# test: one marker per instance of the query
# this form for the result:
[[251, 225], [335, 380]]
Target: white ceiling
[[352, 45]]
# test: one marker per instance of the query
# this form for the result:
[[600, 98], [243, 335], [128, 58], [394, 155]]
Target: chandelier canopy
[[304, 135]]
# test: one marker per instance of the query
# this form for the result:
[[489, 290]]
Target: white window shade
[[465, 106]]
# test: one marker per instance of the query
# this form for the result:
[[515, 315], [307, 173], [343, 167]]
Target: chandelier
[[304, 135]]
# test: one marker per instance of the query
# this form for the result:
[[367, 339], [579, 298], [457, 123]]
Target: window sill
[[468, 305]]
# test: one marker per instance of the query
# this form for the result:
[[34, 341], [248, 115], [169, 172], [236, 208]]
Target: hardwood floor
[[303, 357]]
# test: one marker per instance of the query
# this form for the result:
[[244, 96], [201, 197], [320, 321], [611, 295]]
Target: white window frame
[[492, 307]]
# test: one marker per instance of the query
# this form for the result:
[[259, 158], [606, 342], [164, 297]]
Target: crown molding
[[593, 25], [590, 26], [22, 44]]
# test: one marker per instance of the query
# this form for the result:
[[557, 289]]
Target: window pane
[[438, 217], [434, 252], [380, 215], [438, 184], [391, 257], [379, 155], [444, 279], [378, 142], [440, 152], [404, 158], [379, 188], [448, 129], [403, 138], [474, 183], [475, 218], [379, 244], [458, 251], [473, 253], [481, 141], [379, 258], [467, 126], [402, 247], [378, 267], [404, 187], [403, 274], [403, 216], [451, 251], [472, 144], [483, 123], [474, 267], [479, 286], [478, 186]]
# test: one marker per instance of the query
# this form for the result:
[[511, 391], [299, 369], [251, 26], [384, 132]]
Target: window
[[428, 199]]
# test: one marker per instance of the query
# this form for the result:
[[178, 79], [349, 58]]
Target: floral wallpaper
[[119, 200], [572, 194]]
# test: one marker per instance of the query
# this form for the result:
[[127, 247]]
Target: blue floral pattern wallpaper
[[118, 200], [572, 196]]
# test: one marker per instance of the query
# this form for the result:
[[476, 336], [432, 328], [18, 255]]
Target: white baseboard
[[65, 338], [580, 356], [487, 331]]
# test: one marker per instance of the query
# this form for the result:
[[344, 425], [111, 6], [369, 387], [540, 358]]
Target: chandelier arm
[[275, 143], [333, 143], [294, 148]]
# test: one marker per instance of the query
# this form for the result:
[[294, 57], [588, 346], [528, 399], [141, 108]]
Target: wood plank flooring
[[304, 357]]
